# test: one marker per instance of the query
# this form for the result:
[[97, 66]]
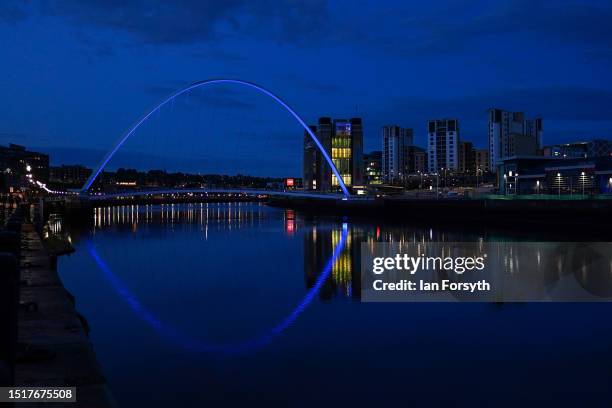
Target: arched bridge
[[199, 84]]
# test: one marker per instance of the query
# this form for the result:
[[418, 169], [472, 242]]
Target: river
[[229, 303]]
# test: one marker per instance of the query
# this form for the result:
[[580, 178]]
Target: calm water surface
[[227, 304]]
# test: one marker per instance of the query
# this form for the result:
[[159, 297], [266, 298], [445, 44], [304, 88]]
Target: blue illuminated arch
[[198, 84], [198, 345]]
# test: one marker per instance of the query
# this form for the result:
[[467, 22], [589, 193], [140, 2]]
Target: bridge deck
[[258, 192]]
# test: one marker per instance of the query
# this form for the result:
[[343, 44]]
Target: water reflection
[[202, 282], [222, 215], [229, 217], [534, 271]]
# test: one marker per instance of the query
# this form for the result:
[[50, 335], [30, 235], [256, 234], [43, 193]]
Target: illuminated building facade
[[342, 139], [555, 176]]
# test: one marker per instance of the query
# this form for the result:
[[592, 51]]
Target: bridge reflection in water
[[555, 273], [276, 258], [219, 215]]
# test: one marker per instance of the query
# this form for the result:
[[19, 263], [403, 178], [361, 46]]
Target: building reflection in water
[[534, 271], [527, 271]]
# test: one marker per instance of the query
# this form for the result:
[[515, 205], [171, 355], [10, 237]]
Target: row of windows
[[341, 142], [341, 153], [348, 180]]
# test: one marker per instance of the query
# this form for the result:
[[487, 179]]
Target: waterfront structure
[[556, 176], [442, 145], [395, 143], [74, 175], [481, 160], [372, 164], [342, 139], [17, 163], [510, 134], [467, 157], [593, 148]]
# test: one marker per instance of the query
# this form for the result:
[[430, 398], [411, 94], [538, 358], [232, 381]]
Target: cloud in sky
[[390, 62], [191, 21]]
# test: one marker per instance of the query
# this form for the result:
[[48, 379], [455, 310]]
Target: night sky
[[75, 74]]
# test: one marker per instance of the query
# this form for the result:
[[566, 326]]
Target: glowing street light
[[559, 182], [505, 184]]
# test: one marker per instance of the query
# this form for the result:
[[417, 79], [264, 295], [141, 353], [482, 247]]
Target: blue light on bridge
[[198, 84]]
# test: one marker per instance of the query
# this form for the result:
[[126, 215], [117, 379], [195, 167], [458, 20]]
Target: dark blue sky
[[74, 74]]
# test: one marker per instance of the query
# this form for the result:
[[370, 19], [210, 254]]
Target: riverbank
[[55, 349], [509, 213]]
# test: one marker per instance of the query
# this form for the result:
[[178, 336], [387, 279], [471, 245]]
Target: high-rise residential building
[[467, 158], [342, 139], [481, 159], [372, 163], [511, 135], [395, 143], [442, 144], [534, 129]]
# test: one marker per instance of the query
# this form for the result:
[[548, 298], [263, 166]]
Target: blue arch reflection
[[190, 343]]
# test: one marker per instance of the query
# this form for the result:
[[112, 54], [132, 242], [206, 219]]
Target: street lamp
[[516, 183], [537, 186], [445, 183], [582, 174], [505, 184], [559, 182]]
